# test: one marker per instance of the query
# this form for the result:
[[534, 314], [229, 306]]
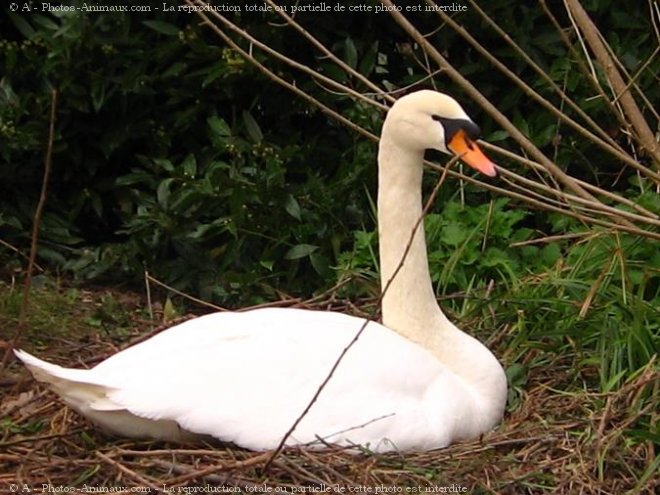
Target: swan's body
[[416, 382]]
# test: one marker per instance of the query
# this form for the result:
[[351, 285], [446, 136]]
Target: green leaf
[[267, 264], [175, 69], [453, 234], [162, 27], [22, 25], [369, 60], [186, 199], [46, 22], [97, 94], [134, 178], [214, 72], [300, 251], [497, 136], [292, 207], [550, 254], [333, 72], [165, 164], [252, 128], [321, 264], [350, 53], [190, 166], [218, 126], [163, 192], [169, 311], [516, 374]]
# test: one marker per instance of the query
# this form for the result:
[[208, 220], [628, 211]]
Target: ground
[[557, 436]]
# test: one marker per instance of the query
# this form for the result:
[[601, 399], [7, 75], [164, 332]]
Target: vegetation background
[[176, 154]]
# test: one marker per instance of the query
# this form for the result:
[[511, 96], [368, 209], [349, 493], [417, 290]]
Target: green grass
[[59, 314]]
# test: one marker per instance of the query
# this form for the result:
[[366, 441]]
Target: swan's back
[[245, 378]]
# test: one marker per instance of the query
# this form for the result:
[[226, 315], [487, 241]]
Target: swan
[[414, 382]]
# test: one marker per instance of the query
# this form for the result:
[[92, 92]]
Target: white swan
[[415, 382]]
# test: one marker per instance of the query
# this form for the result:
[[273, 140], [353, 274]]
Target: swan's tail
[[88, 395], [75, 387]]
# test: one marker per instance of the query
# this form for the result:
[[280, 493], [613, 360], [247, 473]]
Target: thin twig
[[150, 278], [192, 474], [129, 472], [20, 253], [36, 224]]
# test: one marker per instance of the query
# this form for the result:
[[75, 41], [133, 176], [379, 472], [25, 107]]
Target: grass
[[578, 419]]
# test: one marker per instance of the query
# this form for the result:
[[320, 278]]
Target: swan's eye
[[452, 126]]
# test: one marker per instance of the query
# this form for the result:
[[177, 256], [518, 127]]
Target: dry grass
[[560, 438]]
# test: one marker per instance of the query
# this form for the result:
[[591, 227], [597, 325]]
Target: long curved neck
[[409, 305]]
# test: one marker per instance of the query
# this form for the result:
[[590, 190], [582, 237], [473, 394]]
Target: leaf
[[169, 311], [22, 25], [97, 204], [7, 94], [550, 254], [162, 27], [97, 93], [190, 166], [163, 192], [369, 60], [516, 374], [350, 53], [267, 264], [218, 126], [175, 69], [292, 207], [214, 72], [252, 128], [453, 234], [133, 178], [186, 199], [165, 164], [51, 256], [497, 136], [46, 22], [300, 251], [334, 72], [321, 264]]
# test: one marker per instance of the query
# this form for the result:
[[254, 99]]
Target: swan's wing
[[246, 377]]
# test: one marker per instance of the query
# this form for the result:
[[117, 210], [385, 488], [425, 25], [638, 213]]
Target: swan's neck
[[409, 305]]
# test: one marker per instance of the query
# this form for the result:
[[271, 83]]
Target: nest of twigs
[[553, 442]]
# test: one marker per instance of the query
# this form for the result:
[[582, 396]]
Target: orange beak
[[468, 151]]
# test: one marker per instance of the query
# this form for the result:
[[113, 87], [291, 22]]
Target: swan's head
[[430, 120]]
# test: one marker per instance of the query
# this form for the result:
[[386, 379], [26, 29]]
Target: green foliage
[[168, 158], [465, 243], [210, 219]]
